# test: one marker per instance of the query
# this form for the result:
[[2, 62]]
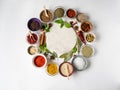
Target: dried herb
[[67, 56]]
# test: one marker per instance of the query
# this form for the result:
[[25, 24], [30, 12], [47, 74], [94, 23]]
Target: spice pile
[[75, 59]]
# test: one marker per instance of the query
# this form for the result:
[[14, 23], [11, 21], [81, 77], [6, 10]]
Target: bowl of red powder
[[40, 60], [71, 13], [32, 38]]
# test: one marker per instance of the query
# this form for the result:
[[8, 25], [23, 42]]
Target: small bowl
[[65, 68], [44, 18], [30, 39], [40, 60], [86, 26], [34, 24], [81, 17], [90, 37], [61, 11], [32, 50], [79, 63], [71, 13], [53, 67], [87, 51]]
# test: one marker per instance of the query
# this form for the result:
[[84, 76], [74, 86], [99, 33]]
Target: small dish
[[79, 63], [59, 12], [90, 37], [32, 50], [40, 60], [52, 69], [71, 13], [32, 39], [86, 26], [44, 18], [34, 24], [81, 17], [87, 51], [66, 69]]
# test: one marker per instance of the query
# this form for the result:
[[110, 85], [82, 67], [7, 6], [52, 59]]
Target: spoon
[[67, 71], [31, 36], [45, 12]]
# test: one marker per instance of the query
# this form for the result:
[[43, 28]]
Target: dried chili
[[81, 36]]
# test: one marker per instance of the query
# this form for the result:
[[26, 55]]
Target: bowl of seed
[[90, 37]]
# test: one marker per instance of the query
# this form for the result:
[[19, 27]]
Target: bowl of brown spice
[[86, 26], [46, 16]]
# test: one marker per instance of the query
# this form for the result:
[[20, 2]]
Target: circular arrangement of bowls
[[77, 58]]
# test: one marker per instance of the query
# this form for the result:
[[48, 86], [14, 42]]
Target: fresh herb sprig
[[63, 23], [44, 49]]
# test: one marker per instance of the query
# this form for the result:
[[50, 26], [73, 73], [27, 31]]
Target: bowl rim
[[76, 12], [93, 35], [57, 8], [60, 69], [30, 47], [51, 18], [57, 68], [84, 67], [87, 21], [37, 56], [36, 41], [89, 46], [35, 19]]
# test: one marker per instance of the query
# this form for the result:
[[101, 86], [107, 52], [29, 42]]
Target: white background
[[16, 69]]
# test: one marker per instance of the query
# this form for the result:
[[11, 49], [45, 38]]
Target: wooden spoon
[[67, 71], [31, 36], [45, 12]]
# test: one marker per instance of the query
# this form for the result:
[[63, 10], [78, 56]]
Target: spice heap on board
[[75, 59]]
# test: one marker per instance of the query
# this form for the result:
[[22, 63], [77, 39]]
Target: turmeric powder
[[52, 68]]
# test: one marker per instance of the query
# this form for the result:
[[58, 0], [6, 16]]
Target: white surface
[[61, 40], [16, 69]]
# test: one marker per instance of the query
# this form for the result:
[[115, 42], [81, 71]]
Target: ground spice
[[43, 16], [81, 17], [39, 61], [34, 24], [59, 12], [31, 40], [86, 26], [87, 51], [52, 69], [32, 50], [71, 13]]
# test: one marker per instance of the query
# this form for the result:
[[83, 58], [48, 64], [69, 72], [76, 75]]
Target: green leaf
[[54, 54], [63, 55], [74, 49], [67, 56], [59, 21], [67, 25], [61, 25], [47, 28]]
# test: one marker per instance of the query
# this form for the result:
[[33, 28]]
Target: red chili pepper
[[81, 36]]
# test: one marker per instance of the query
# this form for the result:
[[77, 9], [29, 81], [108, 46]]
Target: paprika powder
[[71, 13]]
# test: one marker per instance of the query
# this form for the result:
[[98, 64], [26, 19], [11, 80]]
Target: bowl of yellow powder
[[52, 69], [87, 51]]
